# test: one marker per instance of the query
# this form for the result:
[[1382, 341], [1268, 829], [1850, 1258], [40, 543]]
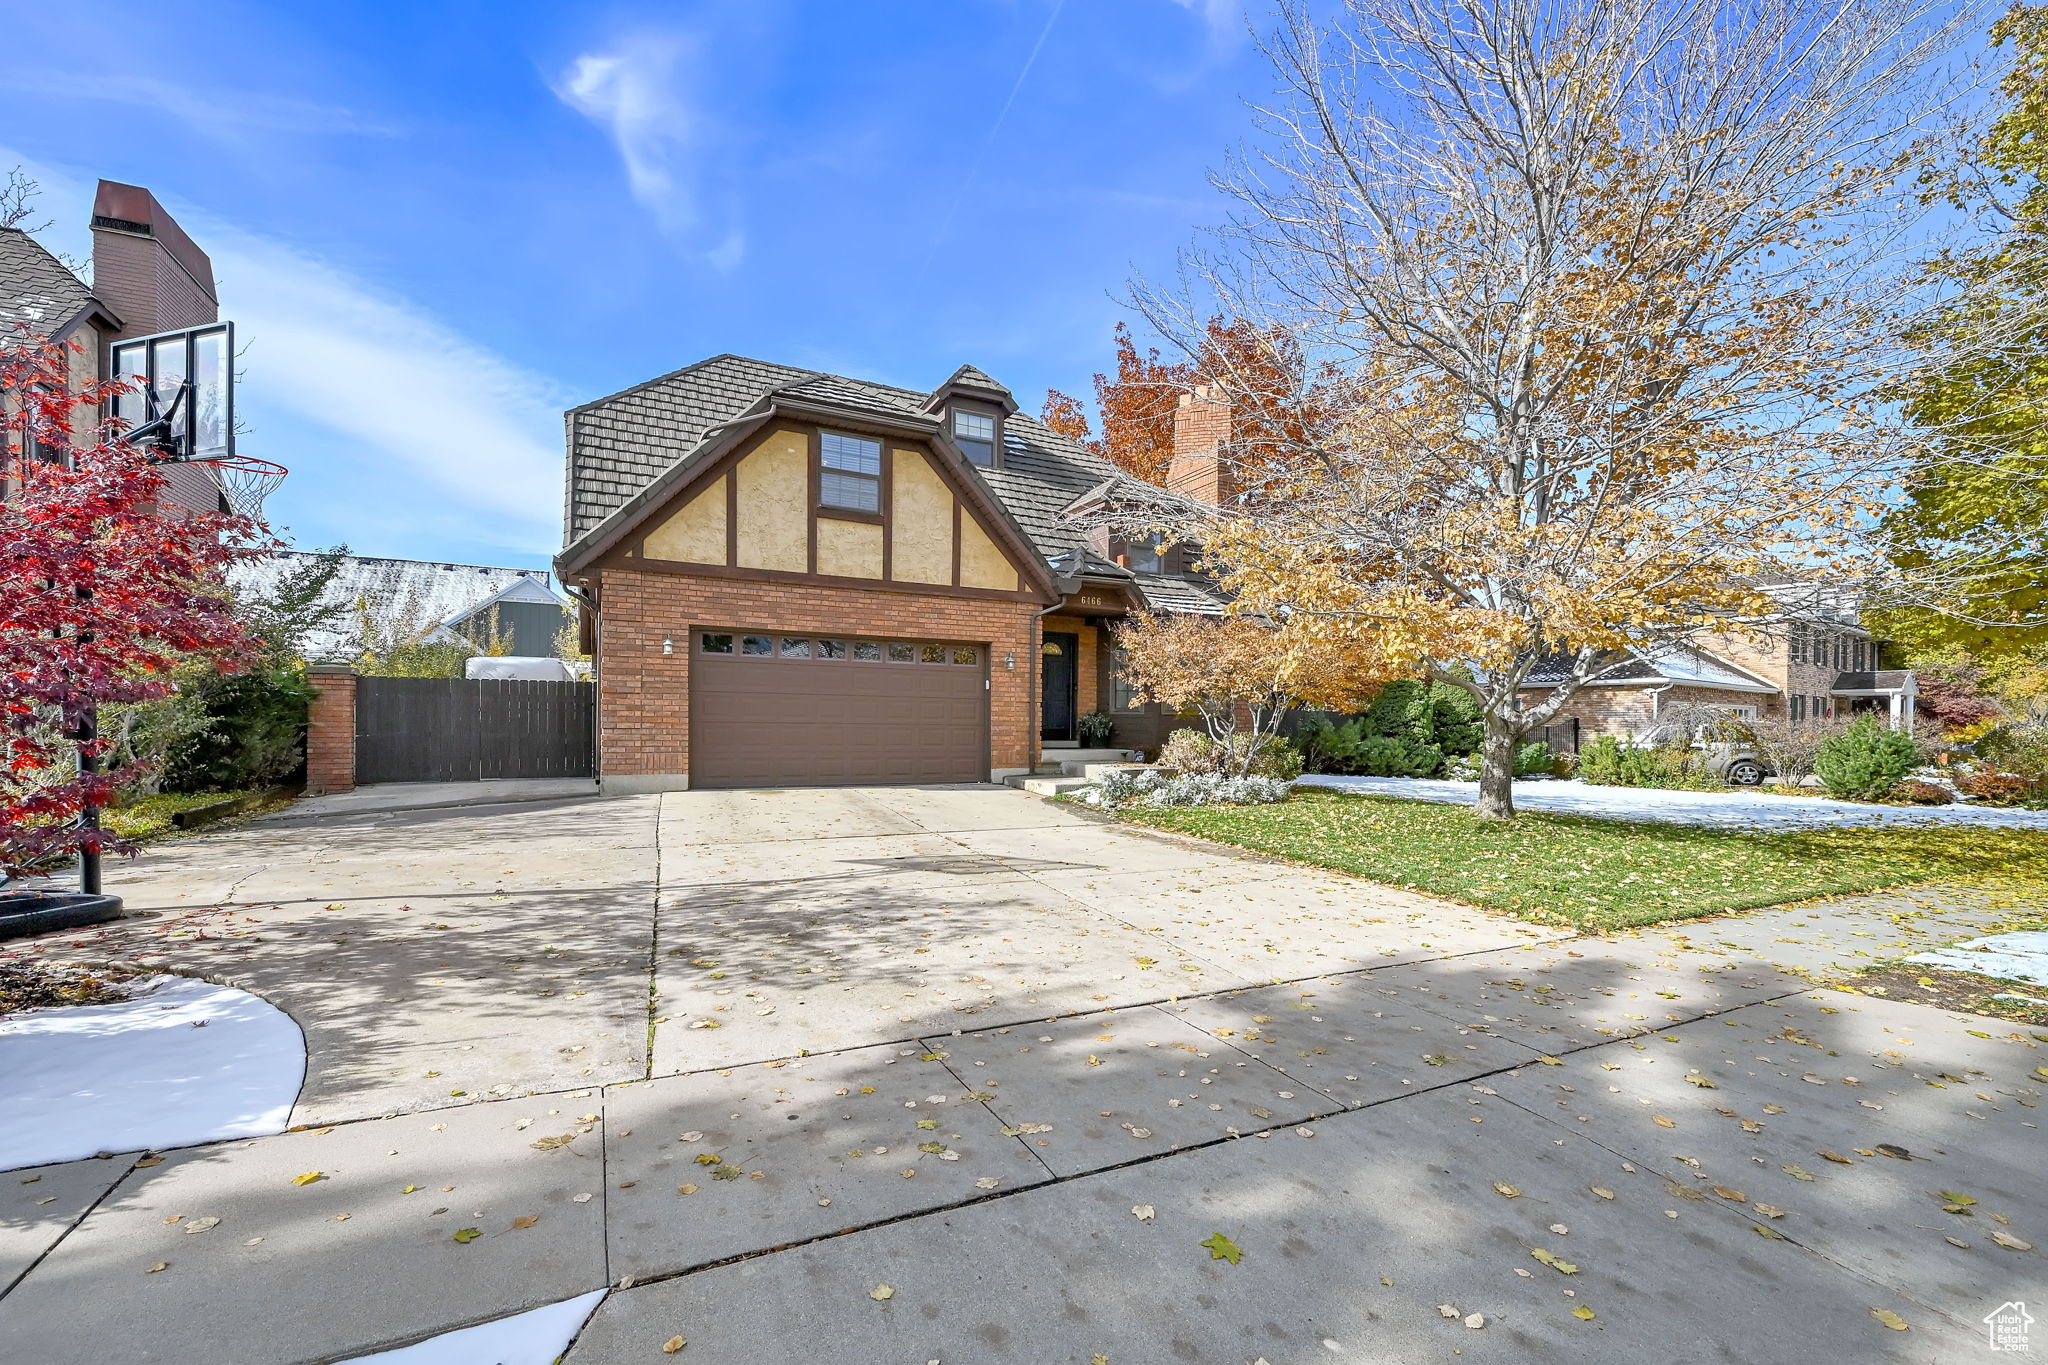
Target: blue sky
[[437, 225]]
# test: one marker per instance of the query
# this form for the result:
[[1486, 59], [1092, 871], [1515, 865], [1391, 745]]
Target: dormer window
[[975, 434], [1147, 555]]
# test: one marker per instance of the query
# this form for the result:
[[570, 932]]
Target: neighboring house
[[795, 578], [467, 604], [1814, 662], [147, 277]]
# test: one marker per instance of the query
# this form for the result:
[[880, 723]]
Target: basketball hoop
[[245, 481]]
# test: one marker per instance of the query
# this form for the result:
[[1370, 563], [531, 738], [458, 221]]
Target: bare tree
[[1584, 313], [17, 202]]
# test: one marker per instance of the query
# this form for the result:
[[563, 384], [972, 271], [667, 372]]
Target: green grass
[[144, 818], [1605, 874]]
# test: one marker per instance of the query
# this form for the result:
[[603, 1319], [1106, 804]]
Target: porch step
[[1076, 762], [1047, 786]]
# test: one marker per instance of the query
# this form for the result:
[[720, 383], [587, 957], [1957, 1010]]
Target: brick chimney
[[145, 267], [1201, 428]]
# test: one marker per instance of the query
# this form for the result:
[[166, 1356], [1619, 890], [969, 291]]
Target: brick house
[[1814, 662], [147, 277], [795, 578]]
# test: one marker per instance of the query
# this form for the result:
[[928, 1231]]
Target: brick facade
[[644, 694], [1621, 711], [331, 729], [1201, 427]]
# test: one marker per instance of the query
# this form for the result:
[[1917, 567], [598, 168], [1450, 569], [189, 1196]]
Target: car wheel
[[1745, 773]]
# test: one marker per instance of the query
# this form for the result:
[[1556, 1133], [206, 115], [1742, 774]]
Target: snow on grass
[[535, 1337], [179, 1063], [1733, 809], [2021, 956]]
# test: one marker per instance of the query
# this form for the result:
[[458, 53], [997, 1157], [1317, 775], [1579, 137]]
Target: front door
[[1060, 652]]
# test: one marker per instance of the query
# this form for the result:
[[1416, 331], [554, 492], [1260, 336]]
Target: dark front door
[[1060, 652]]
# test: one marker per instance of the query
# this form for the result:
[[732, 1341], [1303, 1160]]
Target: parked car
[[1737, 764]]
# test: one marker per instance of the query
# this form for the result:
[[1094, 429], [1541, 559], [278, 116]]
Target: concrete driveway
[[749, 1056]]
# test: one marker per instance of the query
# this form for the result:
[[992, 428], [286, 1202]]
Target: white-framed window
[[849, 472], [975, 434]]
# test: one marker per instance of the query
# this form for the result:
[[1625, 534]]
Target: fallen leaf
[[1562, 1267], [1835, 1157], [525, 1222], [1733, 1196], [1661, 1121], [1760, 1230], [2010, 1242], [1550, 1061], [1889, 1319], [672, 1345], [1769, 1210], [1447, 1310], [881, 1292], [308, 1178], [1221, 1248], [1797, 1172], [1475, 1320], [1583, 1313], [1142, 1212], [467, 1235], [1603, 1192], [1701, 1081], [160, 1265], [1506, 1191], [927, 1123], [549, 1144]]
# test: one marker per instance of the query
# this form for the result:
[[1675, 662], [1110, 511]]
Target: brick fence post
[[331, 729]]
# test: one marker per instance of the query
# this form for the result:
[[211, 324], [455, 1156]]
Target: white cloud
[[1224, 19], [341, 355], [632, 93], [635, 93], [215, 109], [362, 375]]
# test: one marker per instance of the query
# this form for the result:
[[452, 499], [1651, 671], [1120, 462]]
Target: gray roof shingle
[[36, 289], [620, 444]]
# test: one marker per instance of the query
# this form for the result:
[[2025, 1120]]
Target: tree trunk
[[1497, 770]]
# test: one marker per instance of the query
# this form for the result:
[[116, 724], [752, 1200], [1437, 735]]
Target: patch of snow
[[2016, 957], [535, 1337], [1739, 810], [180, 1062]]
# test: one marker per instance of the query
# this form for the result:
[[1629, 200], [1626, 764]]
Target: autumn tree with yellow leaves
[[1592, 307], [1243, 677]]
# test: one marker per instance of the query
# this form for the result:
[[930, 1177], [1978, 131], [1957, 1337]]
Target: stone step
[[1047, 786], [1093, 771]]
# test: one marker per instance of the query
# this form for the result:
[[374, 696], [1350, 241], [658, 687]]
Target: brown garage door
[[828, 711]]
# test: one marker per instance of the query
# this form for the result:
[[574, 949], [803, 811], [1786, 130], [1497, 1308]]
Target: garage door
[[828, 711]]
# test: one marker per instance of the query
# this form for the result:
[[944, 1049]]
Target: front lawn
[[1604, 874]]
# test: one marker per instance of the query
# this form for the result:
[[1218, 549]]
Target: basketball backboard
[[184, 406]]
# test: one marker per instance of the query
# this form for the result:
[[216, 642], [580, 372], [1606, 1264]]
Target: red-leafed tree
[[105, 592]]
